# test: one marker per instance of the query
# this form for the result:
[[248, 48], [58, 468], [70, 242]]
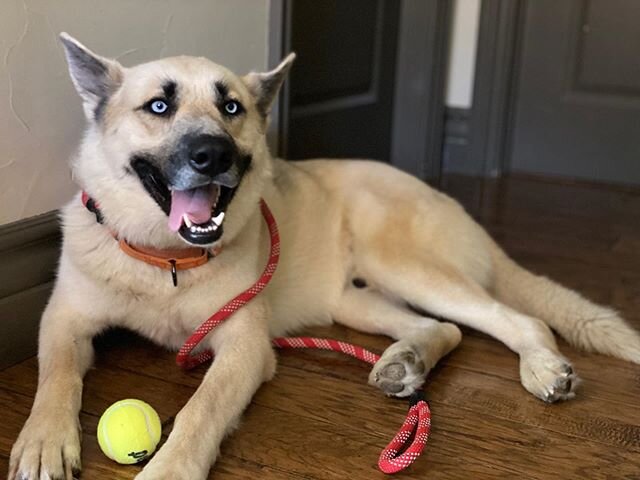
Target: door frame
[[418, 114], [278, 41], [498, 58]]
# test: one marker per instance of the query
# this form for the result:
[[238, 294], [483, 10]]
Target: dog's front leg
[[49, 444], [244, 359]]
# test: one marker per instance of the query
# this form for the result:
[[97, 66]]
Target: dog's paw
[[47, 448], [548, 375], [174, 464], [400, 370]]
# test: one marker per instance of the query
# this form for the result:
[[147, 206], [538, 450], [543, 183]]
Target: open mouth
[[196, 214]]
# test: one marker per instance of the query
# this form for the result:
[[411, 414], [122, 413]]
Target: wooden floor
[[319, 420]]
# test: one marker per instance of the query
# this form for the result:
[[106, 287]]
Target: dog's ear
[[265, 86], [94, 77]]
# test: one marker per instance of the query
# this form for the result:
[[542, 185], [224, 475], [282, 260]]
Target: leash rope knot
[[399, 453]]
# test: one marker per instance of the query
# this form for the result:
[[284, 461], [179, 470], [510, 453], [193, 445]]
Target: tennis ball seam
[[105, 435], [147, 420]]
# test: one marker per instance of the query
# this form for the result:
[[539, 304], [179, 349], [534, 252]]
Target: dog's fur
[[405, 243]]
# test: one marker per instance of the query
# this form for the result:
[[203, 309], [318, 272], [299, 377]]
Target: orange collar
[[172, 259]]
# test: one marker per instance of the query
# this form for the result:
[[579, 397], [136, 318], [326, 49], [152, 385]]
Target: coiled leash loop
[[416, 425], [397, 455]]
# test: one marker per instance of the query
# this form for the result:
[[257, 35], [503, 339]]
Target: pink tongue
[[196, 203]]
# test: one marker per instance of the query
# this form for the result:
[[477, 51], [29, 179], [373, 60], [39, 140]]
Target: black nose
[[210, 155]]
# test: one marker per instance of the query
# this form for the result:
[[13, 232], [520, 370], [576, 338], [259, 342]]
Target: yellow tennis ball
[[129, 431]]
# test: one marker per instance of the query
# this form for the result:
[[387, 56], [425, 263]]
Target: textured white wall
[[40, 115], [462, 54]]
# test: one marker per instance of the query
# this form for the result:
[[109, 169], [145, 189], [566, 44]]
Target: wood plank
[[95, 464], [229, 467], [481, 446], [4, 464], [355, 405], [600, 399], [104, 386], [487, 356], [489, 448]]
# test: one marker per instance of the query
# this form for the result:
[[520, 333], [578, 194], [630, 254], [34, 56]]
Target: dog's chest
[[170, 319], [146, 301]]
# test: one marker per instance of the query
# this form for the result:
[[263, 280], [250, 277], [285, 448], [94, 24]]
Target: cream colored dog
[[172, 145]]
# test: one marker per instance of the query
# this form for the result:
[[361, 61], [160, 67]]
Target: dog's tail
[[581, 322]]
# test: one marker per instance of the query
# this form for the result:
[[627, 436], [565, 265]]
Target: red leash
[[418, 422]]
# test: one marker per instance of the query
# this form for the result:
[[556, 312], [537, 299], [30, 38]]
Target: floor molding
[[457, 137], [29, 252]]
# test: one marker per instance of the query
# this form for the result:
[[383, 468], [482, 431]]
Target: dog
[[174, 158]]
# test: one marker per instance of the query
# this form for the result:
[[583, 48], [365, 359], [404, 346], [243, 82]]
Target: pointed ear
[[265, 86], [95, 77]]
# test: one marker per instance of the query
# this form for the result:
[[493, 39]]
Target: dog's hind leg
[[49, 444], [444, 291], [421, 341]]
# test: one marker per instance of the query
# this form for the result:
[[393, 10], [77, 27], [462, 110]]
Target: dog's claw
[[548, 376]]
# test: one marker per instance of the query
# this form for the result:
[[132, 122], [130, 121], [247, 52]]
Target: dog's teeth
[[218, 219], [187, 221], [208, 228]]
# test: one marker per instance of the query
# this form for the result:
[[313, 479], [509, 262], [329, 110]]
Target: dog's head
[[170, 142]]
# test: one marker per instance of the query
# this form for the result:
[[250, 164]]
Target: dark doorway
[[353, 91], [341, 90]]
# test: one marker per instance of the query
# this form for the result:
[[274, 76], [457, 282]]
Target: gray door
[[578, 92], [341, 88]]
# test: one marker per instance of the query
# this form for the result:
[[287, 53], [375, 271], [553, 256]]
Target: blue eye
[[232, 107], [159, 107]]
